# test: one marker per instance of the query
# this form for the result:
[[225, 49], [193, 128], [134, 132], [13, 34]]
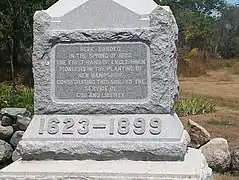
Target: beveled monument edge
[[89, 169]]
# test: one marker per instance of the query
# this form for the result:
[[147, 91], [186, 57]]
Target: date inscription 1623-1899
[[83, 126]]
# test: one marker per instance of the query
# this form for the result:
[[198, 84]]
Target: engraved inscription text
[[101, 72]]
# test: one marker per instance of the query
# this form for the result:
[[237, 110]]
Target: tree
[[196, 21], [200, 32], [207, 7], [228, 32], [16, 18]]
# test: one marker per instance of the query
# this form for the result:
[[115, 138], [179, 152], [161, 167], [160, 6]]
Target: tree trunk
[[12, 56]]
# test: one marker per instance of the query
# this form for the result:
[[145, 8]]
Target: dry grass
[[191, 68], [226, 97], [195, 63], [222, 87], [225, 177], [224, 124], [217, 84]]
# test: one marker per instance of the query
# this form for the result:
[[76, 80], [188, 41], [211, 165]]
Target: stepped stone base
[[194, 167], [103, 140]]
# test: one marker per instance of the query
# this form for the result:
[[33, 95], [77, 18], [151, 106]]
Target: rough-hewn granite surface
[[163, 62]]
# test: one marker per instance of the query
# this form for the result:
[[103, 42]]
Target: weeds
[[195, 63], [192, 63], [219, 123], [23, 98], [193, 105], [221, 64]]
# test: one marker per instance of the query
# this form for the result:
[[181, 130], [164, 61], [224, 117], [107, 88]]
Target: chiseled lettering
[[109, 48], [62, 62], [113, 95], [96, 88], [103, 71]]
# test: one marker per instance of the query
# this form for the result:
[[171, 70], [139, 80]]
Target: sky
[[232, 1]]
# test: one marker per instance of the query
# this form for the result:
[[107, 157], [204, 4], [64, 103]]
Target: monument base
[[142, 137], [194, 167]]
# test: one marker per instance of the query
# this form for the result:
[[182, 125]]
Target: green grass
[[219, 123], [22, 98], [193, 105]]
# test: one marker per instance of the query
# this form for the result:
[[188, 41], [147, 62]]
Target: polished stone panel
[[116, 72]]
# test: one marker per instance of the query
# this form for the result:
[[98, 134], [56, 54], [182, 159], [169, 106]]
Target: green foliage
[[16, 17], [22, 98], [200, 31], [16, 29], [228, 32], [203, 6], [193, 105], [194, 53], [197, 22]]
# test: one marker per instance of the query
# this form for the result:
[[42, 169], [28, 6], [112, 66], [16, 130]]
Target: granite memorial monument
[[105, 74]]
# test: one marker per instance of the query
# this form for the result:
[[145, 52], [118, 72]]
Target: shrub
[[193, 105], [192, 63], [23, 98]]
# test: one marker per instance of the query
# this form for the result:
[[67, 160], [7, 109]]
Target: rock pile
[[216, 151], [235, 159], [13, 123]]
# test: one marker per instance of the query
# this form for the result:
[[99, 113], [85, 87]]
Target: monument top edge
[[62, 7]]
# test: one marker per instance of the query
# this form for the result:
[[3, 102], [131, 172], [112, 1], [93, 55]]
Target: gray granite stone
[[23, 122], [164, 15], [120, 169], [15, 156], [16, 137], [6, 132], [6, 121], [104, 137], [217, 154], [5, 151], [235, 159], [13, 112], [15, 127], [100, 14], [160, 40]]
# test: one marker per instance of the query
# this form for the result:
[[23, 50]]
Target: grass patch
[[193, 105], [219, 101], [22, 98], [232, 65], [235, 69], [219, 123], [226, 176], [194, 64], [191, 68]]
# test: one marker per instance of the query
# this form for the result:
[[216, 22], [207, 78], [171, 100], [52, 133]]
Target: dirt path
[[223, 89], [217, 84]]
